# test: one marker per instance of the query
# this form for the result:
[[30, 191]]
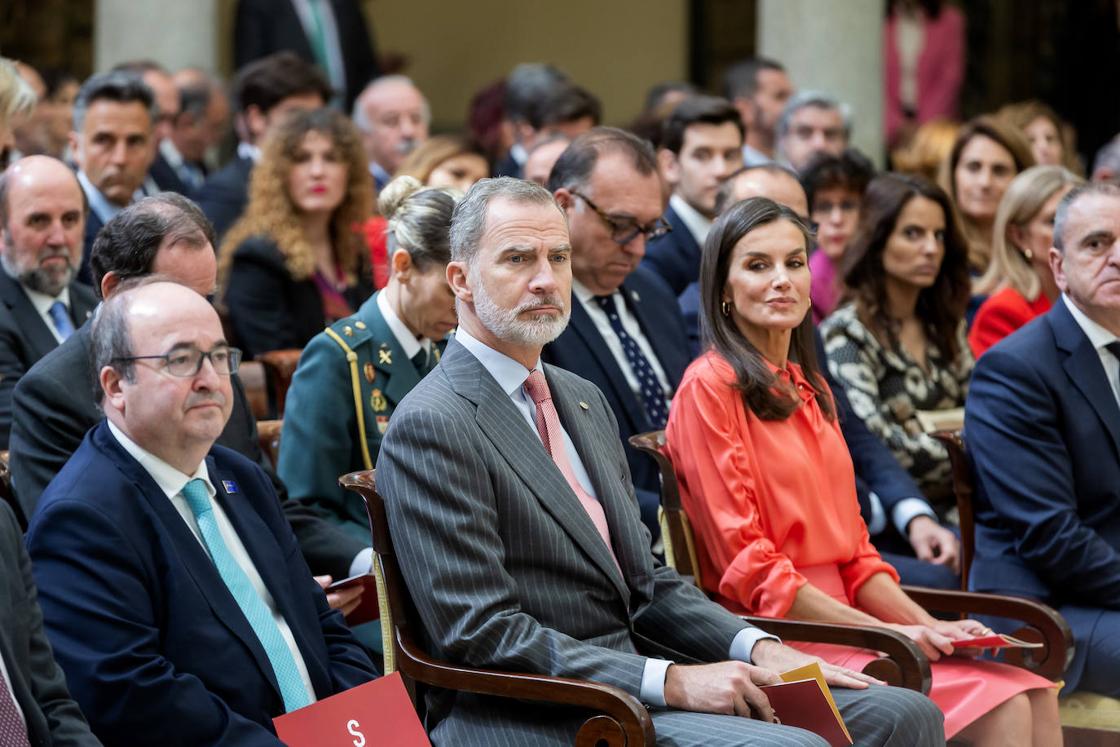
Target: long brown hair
[[272, 213], [763, 392], [941, 306]]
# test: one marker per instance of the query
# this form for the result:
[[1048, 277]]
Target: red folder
[[376, 713], [367, 608], [995, 640], [804, 700]]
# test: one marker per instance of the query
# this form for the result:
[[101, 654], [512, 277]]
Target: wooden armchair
[[255, 383], [1042, 623], [621, 720], [279, 366], [268, 435], [1087, 719]]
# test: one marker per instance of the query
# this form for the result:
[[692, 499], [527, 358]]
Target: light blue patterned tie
[[61, 318], [255, 610]]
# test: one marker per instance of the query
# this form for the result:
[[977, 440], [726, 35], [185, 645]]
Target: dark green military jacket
[[331, 429]]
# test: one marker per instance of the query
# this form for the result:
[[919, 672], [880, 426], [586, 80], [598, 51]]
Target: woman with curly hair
[[293, 262], [899, 347]]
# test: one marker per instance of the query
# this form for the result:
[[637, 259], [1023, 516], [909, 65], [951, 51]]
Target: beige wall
[[616, 48]]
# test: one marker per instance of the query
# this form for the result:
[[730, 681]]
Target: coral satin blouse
[[765, 497]]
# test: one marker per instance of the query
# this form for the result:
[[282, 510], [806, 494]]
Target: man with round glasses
[[165, 561], [626, 333]]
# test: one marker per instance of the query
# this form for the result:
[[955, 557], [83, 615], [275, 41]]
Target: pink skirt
[[964, 689]]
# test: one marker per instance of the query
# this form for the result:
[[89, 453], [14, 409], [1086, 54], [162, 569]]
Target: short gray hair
[[121, 87], [468, 221], [1075, 194], [358, 114], [818, 100]]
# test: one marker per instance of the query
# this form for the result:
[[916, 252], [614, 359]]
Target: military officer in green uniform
[[353, 374]]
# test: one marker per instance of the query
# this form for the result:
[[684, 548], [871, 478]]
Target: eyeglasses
[[187, 361], [625, 230]]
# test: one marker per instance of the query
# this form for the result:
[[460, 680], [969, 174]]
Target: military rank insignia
[[382, 423], [377, 401], [371, 373], [385, 355]]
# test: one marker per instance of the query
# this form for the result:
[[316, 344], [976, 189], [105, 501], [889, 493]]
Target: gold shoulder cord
[[388, 653]]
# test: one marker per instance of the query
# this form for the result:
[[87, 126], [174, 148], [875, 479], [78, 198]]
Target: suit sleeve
[[105, 630], [250, 33], [46, 431], [11, 369], [48, 684], [1023, 463], [442, 510], [258, 296]]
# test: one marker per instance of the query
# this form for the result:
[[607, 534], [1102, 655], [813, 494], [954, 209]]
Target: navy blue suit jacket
[[674, 256], [154, 646], [582, 350], [93, 225], [1043, 428], [225, 194]]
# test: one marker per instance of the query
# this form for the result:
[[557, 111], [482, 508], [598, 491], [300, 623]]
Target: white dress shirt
[[171, 481], [410, 343], [698, 225], [42, 303], [511, 376], [632, 327], [1099, 337]]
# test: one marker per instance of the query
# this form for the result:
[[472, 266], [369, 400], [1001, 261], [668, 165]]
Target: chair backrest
[[254, 381], [268, 435], [963, 488], [280, 366], [676, 531]]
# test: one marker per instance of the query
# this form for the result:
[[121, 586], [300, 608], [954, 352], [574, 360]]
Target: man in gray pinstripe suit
[[526, 559]]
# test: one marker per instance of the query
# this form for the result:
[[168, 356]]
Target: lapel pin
[[584, 406], [634, 295], [360, 325], [230, 487], [347, 331], [371, 374]]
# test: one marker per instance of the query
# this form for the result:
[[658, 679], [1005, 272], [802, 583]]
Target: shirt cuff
[[878, 516], [652, 691], [362, 563], [907, 510], [743, 643]]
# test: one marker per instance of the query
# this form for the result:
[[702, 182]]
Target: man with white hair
[[518, 533], [393, 116]]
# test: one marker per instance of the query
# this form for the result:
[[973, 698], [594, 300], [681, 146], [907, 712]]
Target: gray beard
[[505, 324], [37, 279]]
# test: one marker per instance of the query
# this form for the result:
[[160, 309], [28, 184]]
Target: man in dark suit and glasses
[[42, 216], [518, 534]]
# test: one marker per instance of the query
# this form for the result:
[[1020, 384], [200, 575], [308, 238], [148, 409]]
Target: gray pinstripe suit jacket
[[505, 567]]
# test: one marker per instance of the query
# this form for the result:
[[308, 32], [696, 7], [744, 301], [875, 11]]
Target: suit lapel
[[34, 329], [1083, 366], [582, 325], [501, 422]]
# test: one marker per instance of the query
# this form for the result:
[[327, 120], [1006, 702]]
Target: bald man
[[42, 221]]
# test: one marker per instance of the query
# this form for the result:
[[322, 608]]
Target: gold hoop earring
[[725, 308]]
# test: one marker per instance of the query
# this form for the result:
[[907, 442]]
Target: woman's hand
[[962, 630], [933, 643]]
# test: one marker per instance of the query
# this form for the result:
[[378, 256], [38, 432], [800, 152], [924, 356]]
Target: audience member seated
[[1019, 284], [834, 186], [49, 122], [661, 99], [1045, 132], [52, 409], [114, 119], [393, 116], [525, 86], [1043, 430], [294, 263], [162, 176], [199, 126], [16, 99], [352, 376], [759, 88], [923, 153], [446, 161], [985, 157], [172, 588], [626, 335], [42, 216], [812, 122], [265, 92], [701, 146], [767, 482], [518, 534], [543, 156], [898, 348], [1106, 164]]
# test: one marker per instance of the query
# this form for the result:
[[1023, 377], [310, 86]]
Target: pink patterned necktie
[[13, 730], [548, 425]]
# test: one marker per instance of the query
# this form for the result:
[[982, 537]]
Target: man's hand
[[728, 687], [343, 600], [934, 543], [779, 658]]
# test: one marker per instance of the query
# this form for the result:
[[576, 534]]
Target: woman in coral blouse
[[1019, 283], [769, 486]]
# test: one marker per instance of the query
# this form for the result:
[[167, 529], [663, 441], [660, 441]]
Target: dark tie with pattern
[[653, 398], [1114, 348], [13, 730]]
